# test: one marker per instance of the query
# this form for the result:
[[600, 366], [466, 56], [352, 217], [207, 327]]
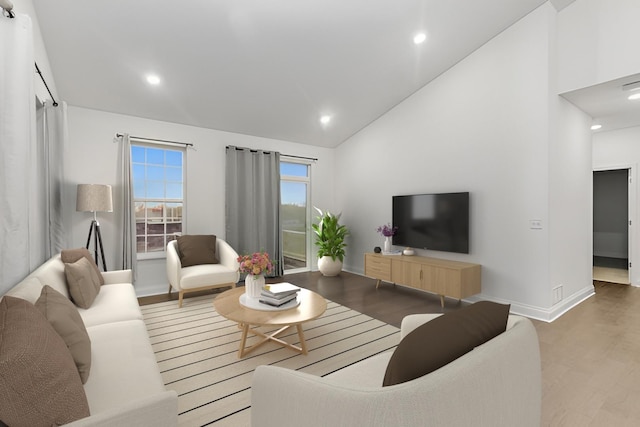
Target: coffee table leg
[[243, 339], [303, 344]]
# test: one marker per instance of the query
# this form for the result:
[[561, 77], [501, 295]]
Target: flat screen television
[[438, 222]]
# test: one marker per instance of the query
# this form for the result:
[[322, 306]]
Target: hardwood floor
[[590, 356], [388, 303], [591, 361]]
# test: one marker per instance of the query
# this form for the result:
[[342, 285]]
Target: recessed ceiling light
[[153, 79], [325, 119], [419, 38], [634, 96], [596, 127]]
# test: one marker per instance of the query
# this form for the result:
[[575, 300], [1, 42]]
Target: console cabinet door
[[413, 275], [397, 272], [447, 282]]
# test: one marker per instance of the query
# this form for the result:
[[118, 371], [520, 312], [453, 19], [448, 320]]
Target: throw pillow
[[197, 249], [40, 384], [83, 282], [66, 321], [70, 256], [444, 339]]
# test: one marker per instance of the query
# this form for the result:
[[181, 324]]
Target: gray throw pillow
[[40, 383], [65, 319], [70, 256], [83, 282], [444, 339], [197, 249]]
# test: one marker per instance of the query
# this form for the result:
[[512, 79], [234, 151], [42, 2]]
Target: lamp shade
[[94, 198]]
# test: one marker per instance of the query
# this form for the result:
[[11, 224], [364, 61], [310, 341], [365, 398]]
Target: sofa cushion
[[366, 373], [64, 317], [124, 366], [70, 256], [197, 249], [444, 339], [82, 281], [115, 303], [29, 289], [198, 276], [40, 383], [52, 273]]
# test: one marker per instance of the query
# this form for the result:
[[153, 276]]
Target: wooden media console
[[443, 277]]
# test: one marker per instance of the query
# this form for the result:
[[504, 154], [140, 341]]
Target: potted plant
[[330, 237]]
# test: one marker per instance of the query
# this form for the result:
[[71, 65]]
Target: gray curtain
[[129, 260], [20, 219], [55, 135], [253, 203]]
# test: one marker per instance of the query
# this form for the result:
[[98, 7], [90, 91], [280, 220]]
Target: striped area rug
[[197, 352]]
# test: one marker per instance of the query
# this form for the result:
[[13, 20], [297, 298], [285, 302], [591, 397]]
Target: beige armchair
[[204, 276], [496, 384]]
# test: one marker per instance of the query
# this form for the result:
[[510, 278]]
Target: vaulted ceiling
[[269, 68]]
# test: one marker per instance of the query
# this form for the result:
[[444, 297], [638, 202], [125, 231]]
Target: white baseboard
[[150, 290], [539, 313]]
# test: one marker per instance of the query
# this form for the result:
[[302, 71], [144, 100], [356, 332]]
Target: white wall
[[598, 42], [621, 149], [484, 127], [570, 193], [570, 201], [92, 158]]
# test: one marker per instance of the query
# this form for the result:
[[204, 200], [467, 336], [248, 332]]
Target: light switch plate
[[535, 224]]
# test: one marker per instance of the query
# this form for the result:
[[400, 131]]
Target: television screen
[[438, 222]]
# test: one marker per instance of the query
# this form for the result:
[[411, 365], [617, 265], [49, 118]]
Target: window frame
[[306, 180], [146, 143]]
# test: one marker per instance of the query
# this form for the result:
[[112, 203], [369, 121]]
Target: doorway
[[611, 225]]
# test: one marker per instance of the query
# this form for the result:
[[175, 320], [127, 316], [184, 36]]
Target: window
[[294, 214], [158, 196]]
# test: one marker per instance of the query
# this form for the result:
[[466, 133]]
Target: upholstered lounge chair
[[496, 384], [203, 276]]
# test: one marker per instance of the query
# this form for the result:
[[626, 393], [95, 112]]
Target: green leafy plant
[[330, 235]]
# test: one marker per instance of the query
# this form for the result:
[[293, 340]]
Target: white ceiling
[[608, 103], [267, 68]]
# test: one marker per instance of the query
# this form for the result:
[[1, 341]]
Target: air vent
[[631, 86]]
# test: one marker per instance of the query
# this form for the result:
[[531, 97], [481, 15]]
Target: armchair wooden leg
[[169, 290], [180, 294]]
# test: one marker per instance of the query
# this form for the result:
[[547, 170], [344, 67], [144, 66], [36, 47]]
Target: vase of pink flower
[[255, 266], [387, 231]]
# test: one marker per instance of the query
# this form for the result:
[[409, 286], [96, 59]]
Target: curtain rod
[[188, 144], [286, 155], [55, 104], [7, 6]]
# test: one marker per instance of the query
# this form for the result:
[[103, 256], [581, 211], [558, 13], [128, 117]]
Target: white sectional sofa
[[496, 384], [124, 387]]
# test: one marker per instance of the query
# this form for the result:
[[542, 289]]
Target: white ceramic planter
[[329, 267], [387, 244], [253, 285]]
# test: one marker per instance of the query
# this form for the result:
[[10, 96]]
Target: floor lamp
[[95, 198]]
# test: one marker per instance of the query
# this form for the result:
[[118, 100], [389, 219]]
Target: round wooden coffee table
[[311, 306]]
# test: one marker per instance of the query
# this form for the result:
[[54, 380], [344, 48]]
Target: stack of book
[[278, 294]]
